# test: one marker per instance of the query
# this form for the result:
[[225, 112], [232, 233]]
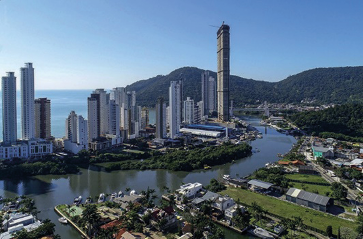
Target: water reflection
[[51, 190]]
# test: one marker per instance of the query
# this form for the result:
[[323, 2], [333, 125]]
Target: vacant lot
[[310, 217], [306, 178]]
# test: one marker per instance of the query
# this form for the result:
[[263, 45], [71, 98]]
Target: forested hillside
[[324, 85], [342, 122]]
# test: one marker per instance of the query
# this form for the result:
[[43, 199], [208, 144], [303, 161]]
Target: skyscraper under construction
[[223, 54]]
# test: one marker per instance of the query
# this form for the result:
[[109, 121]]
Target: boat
[[63, 220], [226, 177], [101, 198], [113, 196], [206, 167], [261, 233], [1, 198], [120, 194], [132, 192], [88, 200], [77, 200]]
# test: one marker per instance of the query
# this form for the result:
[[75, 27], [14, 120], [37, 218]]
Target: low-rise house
[[223, 202], [306, 169], [163, 219], [190, 189], [208, 196], [230, 212], [308, 199], [324, 152], [18, 222], [258, 185], [125, 200]]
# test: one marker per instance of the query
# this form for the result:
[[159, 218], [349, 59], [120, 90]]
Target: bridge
[[255, 109]]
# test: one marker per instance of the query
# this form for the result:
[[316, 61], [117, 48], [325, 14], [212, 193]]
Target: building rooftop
[[307, 196], [260, 184], [206, 127]]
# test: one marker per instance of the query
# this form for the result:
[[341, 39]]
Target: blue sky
[[86, 44]]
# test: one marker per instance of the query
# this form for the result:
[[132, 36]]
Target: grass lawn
[[310, 217], [322, 190], [306, 178]]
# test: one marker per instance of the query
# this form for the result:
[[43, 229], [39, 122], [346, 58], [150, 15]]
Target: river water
[[51, 190]]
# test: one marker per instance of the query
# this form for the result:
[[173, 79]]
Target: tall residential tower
[[223, 54], [42, 118], [8, 87], [27, 101]]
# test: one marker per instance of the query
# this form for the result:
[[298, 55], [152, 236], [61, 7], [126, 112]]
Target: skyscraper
[[42, 118], [160, 119], [223, 55], [144, 117], [8, 87], [82, 132], [188, 111], [27, 101], [103, 110], [114, 118], [175, 103], [208, 92], [94, 117], [71, 127]]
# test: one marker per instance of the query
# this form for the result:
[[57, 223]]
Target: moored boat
[[63, 220], [101, 198], [77, 200], [120, 194]]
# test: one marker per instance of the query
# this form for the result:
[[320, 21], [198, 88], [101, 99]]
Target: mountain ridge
[[323, 85]]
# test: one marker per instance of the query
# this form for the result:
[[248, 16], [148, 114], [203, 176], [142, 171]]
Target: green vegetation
[[310, 217], [344, 122], [324, 85], [215, 186], [318, 189], [187, 160], [38, 168], [272, 175], [306, 178]]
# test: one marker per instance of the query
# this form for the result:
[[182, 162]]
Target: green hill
[[324, 85]]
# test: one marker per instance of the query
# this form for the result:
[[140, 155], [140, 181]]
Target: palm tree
[[127, 189], [91, 217], [72, 210], [257, 211]]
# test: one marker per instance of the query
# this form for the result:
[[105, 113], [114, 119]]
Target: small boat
[[77, 200], [226, 177], [101, 198], [120, 194], [206, 167], [88, 200], [63, 220], [132, 192], [113, 196], [1, 198]]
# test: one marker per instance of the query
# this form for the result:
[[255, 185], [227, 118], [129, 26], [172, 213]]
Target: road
[[352, 194]]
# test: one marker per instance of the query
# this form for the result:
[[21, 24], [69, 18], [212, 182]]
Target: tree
[[359, 228], [329, 231], [339, 191], [257, 211], [91, 217], [241, 220]]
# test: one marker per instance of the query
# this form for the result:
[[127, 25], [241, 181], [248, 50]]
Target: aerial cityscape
[[179, 141]]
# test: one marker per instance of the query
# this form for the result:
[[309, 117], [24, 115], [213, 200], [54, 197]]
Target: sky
[[88, 44]]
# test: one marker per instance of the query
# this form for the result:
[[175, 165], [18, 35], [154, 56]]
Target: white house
[[190, 189]]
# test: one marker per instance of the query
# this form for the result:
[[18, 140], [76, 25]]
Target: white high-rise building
[[188, 111], [175, 96], [124, 117], [118, 94], [8, 86], [144, 117], [93, 117], [114, 118], [103, 104], [82, 132], [71, 127], [27, 101]]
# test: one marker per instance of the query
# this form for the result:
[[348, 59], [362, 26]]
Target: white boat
[[226, 177], [120, 194], [101, 198], [113, 196], [77, 200], [63, 220], [132, 192], [88, 200]]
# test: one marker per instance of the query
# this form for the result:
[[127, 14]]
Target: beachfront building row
[[35, 118]]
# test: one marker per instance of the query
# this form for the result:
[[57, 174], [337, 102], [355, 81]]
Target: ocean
[[62, 103]]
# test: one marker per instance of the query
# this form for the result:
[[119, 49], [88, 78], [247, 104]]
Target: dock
[[71, 222]]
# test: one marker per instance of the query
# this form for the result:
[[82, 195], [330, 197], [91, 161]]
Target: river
[[51, 190]]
